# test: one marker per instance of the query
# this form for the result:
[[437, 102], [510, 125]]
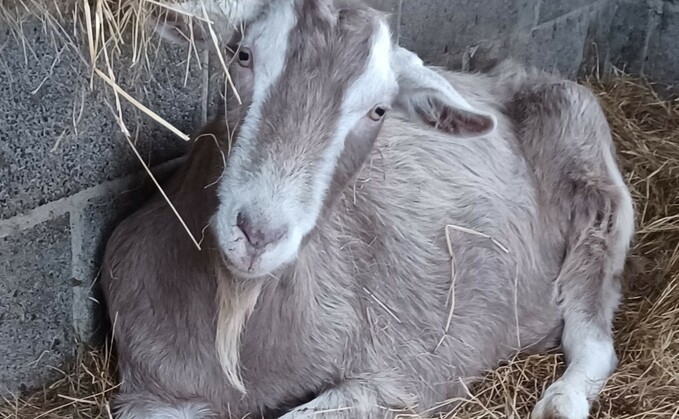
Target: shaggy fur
[[360, 323]]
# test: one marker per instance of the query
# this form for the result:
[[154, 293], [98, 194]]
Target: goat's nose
[[257, 237]]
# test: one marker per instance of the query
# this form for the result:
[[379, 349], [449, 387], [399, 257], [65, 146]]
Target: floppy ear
[[187, 20], [178, 27], [427, 94]]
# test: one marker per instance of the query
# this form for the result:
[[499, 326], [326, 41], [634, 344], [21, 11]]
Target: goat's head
[[318, 77]]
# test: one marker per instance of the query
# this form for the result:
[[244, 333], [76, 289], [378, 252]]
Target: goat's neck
[[349, 165]]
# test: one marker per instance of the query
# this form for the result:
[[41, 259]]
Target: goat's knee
[[144, 406], [354, 399], [591, 360]]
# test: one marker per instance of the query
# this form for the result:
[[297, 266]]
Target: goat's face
[[318, 79]]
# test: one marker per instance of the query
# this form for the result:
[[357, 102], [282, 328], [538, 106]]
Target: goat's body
[[369, 297]]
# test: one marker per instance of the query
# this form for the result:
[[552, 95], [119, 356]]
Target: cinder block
[[45, 155], [552, 9], [36, 294], [662, 64], [596, 52], [94, 223], [440, 31], [628, 35], [559, 45]]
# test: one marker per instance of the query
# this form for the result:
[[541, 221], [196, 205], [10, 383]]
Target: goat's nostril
[[240, 219], [243, 224], [257, 237]]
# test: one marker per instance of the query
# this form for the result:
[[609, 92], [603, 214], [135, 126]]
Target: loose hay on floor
[[82, 391], [646, 384]]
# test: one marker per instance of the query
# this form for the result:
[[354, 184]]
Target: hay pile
[[646, 384], [82, 392]]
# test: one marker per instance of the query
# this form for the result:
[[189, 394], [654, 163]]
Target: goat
[[380, 233]]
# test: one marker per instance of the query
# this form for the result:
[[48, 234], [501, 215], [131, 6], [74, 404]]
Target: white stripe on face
[[268, 40], [376, 86]]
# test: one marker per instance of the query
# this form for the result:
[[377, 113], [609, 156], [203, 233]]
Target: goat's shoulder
[[131, 242], [153, 234]]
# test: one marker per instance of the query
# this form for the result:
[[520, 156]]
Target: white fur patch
[[377, 85], [562, 401], [591, 360], [236, 300], [625, 214], [159, 410], [268, 40]]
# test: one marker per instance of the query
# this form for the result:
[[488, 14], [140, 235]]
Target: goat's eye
[[377, 113], [245, 57]]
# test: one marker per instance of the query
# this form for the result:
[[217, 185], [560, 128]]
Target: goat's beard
[[236, 300]]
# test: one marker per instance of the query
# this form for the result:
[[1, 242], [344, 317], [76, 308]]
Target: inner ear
[[180, 28], [464, 123], [424, 92], [454, 119]]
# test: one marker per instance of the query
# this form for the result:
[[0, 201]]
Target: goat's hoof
[[561, 402]]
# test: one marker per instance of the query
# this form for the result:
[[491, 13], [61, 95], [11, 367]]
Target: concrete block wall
[[644, 39], [67, 176], [469, 34]]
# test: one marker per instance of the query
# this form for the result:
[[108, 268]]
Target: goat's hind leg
[[572, 149]]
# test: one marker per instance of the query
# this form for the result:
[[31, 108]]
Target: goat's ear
[[183, 27], [180, 28], [186, 20], [425, 93]]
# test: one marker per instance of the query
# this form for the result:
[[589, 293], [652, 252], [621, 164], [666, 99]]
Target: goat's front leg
[[589, 288], [350, 400]]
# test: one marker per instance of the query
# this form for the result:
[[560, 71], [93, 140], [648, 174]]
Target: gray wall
[[469, 34], [644, 39], [67, 175]]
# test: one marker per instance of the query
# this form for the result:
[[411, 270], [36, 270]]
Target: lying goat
[[380, 234]]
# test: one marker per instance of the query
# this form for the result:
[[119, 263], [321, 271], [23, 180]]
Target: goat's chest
[[295, 343]]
